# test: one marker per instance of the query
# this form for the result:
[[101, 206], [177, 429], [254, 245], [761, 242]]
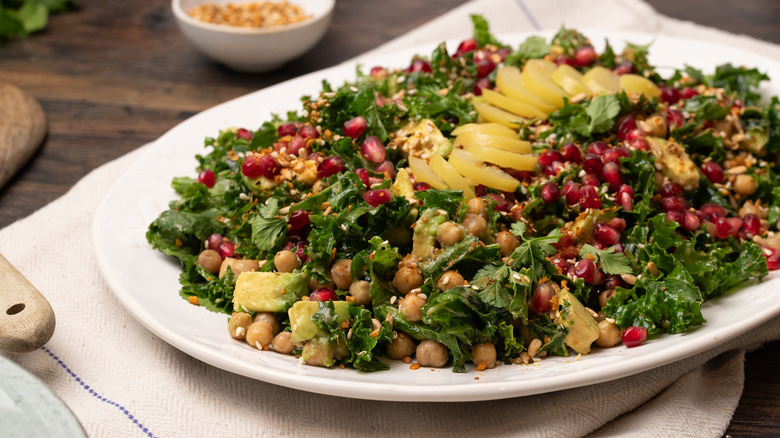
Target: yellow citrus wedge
[[503, 158], [482, 173], [422, 172], [509, 80], [451, 176]]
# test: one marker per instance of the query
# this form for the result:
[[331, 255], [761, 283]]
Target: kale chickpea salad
[[492, 205]]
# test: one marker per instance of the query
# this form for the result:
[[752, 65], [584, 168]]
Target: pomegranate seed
[[570, 153], [611, 174], [613, 282], [372, 149], [355, 126], [618, 223], [640, 144], [560, 263], [564, 241], [626, 189], [688, 92], [480, 190], [619, 247], [722, 227], [625, 67], [598, 148], [244, 134], [571, 190], [589, 197], [584, 56], [614, 155], [330, 166], [673, 203], [738, 103], [675, 216], [772, 256], [213, 241], [605, 234], [713, 210], [671, 189], [378, 72], [287, 129], [207, 178], [300, 251], [590, 180], [226, 249], [691, 221], [255, 166], [482, 84], [323, 294], [377, 197], [625, 200], [501, 203], [585, 269], [674, 118], [549, 156], [387, 168], [669, 94], [540, 300], [484, 67], [563, 59], [736, 225], [466, 46], [550, 192], [298, 219], [363, 174], [308, 131], [626, 125], [419, 65], [633, 336], [421, 187], [751, 224], [297, 144], [592, 164], [713, 171], [503, 52]]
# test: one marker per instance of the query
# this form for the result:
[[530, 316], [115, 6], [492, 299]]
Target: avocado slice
[[269, 291], [583, 328], [303, 327], [756, 139], [424, 239]]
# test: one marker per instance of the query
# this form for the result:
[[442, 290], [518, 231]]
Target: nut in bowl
[[277, 31]]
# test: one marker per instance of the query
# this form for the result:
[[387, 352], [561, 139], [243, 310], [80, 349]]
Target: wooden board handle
[[26, 318]]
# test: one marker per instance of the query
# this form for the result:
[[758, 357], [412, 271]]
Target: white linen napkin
[[121, 380]]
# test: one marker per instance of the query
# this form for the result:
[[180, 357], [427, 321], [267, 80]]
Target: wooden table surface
[[116, 75]]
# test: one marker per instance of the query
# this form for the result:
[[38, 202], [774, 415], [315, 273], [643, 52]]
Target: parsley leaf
[[601, 113], [612, 262], [533, 47], [482, 32]]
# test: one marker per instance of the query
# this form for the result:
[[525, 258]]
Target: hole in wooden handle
[[16, 308]]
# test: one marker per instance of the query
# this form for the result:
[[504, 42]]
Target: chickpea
[[238, 324], [402, 346], [286, 261], [507, 242], [609, 334], [476, 206], [450, 279], [361, 292], [411, 307], [341, 273], [270, 319], [484, 353], [407, 279], [745, 185], [409, 261], [210, 261], [238, 266], [476, 225], [448, 234], [259, 334], [430, 353], [605, 296], [314, 284], [282, 343]]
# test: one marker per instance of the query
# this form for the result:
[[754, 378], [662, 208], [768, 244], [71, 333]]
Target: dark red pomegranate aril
[[378, 72], [614, 155], [550, 192], [466, 46], [207, 178], [772, 256], [548, 157], [419, 65], [562, 59], [213, 241], [633, 336], [244, 134], [626, 125], [688, 92], [482, 84], [713, 210], [625, 67], [592, 164], [540, 300], [298, 219], [387, 167], [585, 269], [618, 223], [625, 200], [501, 204], [377, 197], [564, 241], [736, 225], [640, 144], [598, 148], [570, 153], [226, 249], [589, 197], [751, 224], [584, 56], [675, 216], [296, 144], [691, 221], [571, 190], [287, 129], [674, 118], [671, 189], [355, 126], [330, 166], [612, 175], [255, 166], [673, 203], [669, 94], [308, 131], [722, 227], [421, 187], [484, 67], [363, 174], [590, 180], [481, 190], [605, 234], [323, 294], [503, 52], [713, 171], [300, 251], [372, 149]]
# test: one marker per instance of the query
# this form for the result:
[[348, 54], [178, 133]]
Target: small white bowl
[[254, 50]]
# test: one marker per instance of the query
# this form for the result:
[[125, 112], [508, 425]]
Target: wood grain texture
[[115, 75], [26, 319], [22, 129]]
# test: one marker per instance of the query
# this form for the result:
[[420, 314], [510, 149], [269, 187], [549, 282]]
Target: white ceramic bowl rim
[[316, 16]]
